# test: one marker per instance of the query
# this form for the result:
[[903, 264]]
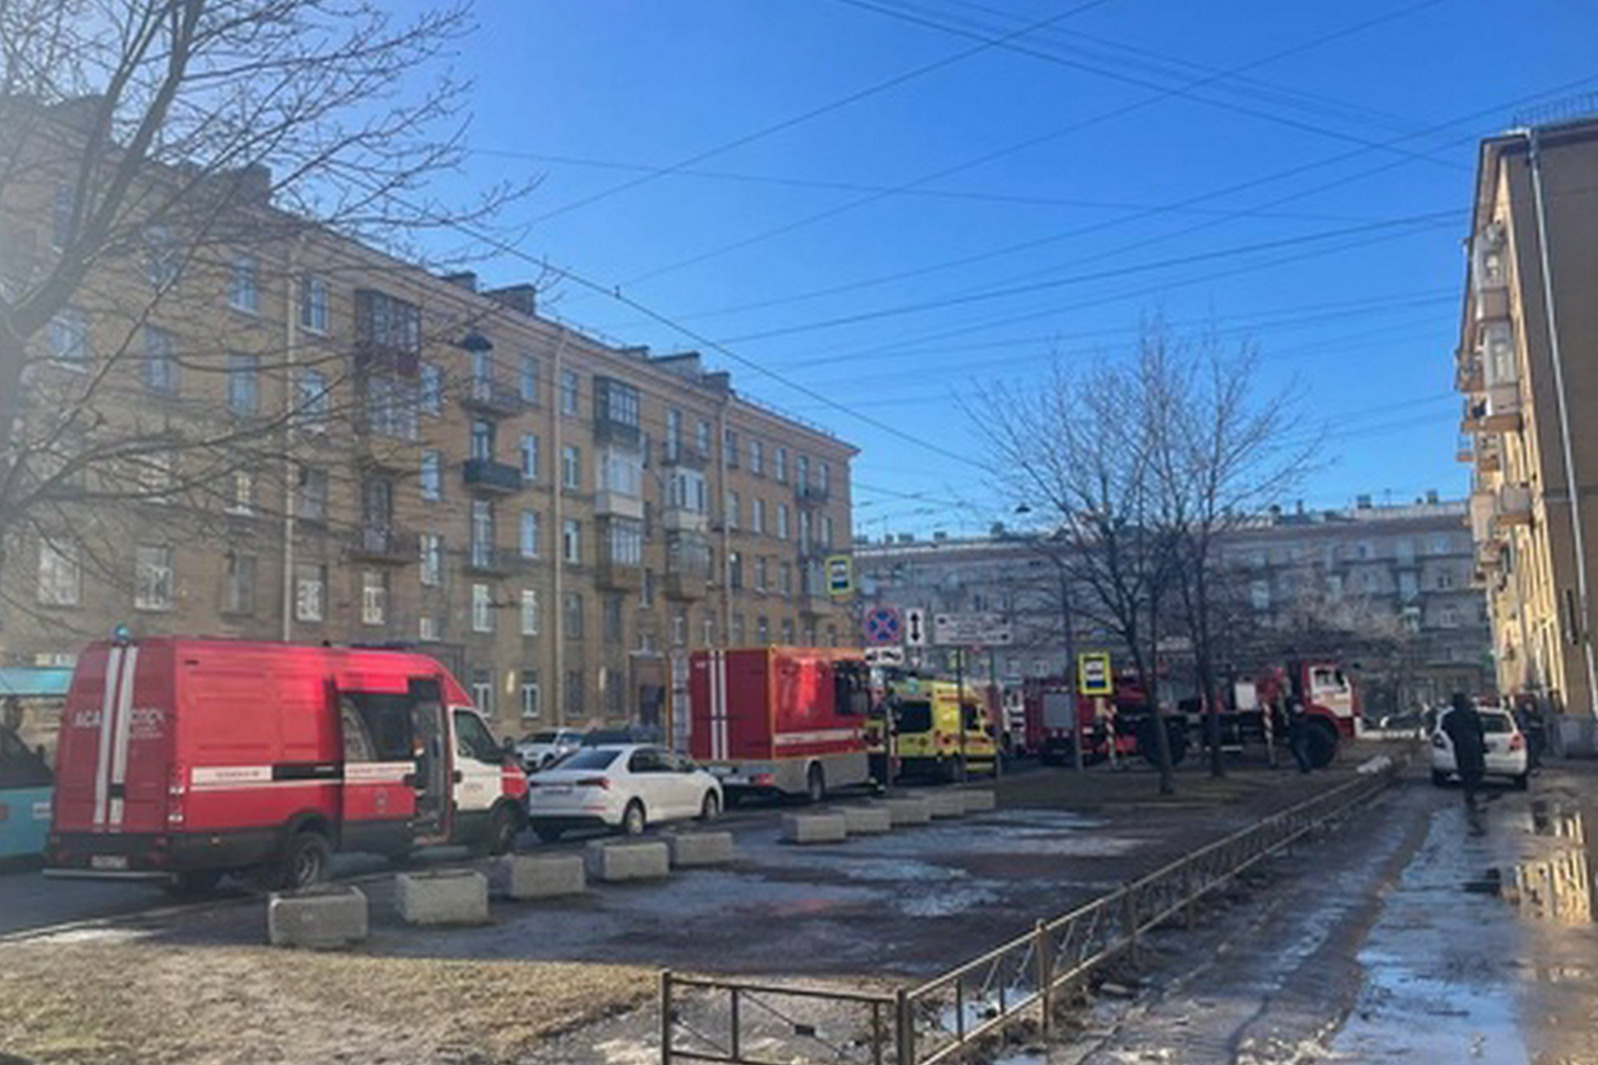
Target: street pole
[[959, 704], [998, 715], [1071, 671]]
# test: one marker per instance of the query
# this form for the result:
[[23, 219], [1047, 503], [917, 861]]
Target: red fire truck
[[184, 759], [780, 720], [1110, 725]]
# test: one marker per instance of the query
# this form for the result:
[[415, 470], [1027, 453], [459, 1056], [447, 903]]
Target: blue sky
[[878, 204]]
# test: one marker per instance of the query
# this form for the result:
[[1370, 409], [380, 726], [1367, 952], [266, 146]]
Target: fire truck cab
[[185, 759]]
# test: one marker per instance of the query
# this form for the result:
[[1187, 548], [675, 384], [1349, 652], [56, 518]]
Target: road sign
[[840, 575], [884, 656], [915, 627], [970, 630], [1093, 675], [882, 626]]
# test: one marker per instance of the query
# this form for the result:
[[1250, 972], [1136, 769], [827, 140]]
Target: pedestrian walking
[[1528, 715], [1464, 728], [1298, 734]]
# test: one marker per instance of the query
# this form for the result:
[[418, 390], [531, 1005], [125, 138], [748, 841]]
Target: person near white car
[[1470, 742], [624, 787]]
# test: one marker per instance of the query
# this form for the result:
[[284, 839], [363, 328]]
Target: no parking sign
[[882, 625]]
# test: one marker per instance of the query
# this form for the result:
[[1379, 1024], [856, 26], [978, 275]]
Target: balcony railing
[[489, 476], [611, 431], [680, 585], [492, 561], [685, 455], [378, 543], [619, 576], [488, 396], [1502, 413], [681, 519], [809, 494], [376, 356], [1512, 506]]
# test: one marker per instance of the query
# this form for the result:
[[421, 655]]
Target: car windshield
[[591, 758], [543, 737], [1496, 723]]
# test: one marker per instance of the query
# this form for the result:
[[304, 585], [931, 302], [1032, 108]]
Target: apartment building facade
[[1524, 362], [1387, 588], [298, 437]]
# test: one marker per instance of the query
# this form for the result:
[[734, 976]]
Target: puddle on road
[[947, 902], [1554, 884]]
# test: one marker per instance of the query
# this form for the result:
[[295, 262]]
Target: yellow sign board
[[1093, 676]]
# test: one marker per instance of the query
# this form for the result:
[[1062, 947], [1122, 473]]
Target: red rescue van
[[780, 720], [184, 759]]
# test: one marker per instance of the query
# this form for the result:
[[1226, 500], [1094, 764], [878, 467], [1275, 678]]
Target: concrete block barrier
[[542, 876], [699, 848], [867, 820], [908, 811], [814, 828], [980, 800], [946, 804], [318, 919], [445, 897], [642, 860]]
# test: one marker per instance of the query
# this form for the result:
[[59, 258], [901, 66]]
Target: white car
[[1506, 748], [626, 787], [543, 749]]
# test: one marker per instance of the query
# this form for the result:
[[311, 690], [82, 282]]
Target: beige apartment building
[[296, 437], [1527, 363]]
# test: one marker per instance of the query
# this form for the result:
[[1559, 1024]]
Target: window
[[707, 626], [60, 577], [738, 630], [482, 554], [576, 706], [482, 692], [482, 441], [568, 392], [616, 402], [314, 313], [528, 378], [530, 540], [801, 470], [244, 284], [646, 594], [431, 389], [735, 569], [673, 433], [571, 541], [785, 577], [757, 458], [624, 542], [761, 566], [805, 530], [238, 584], [63, 216], [1364, 550], [241, 500], [679, 626], [431, 481], [1445, 580], [702, 438], [823, 476], [621, 472], [826, 528], [531, 695], [374, 597], [69, 336], [572, 610], [482, 609], [310, 591], [780, 464], [732, 508], [1259, 594], [529, 611], [428, 629], [386, 323], [762, 630], [571, 467], [1448, 617], [729, 447], [787, 630], [160, 361], [1442, 544], [482, 374], [758, 522], [782, 521], [311, 400], [432, 551], [531, 459], [688, 491], [311, 501], [611, 614], [163, 259], [152, 578], [243, 383], [391, 407]]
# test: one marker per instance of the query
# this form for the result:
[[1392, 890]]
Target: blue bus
[[26, 779]]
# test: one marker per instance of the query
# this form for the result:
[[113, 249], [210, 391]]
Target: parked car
[[1506, 748], [625, 787], [540, 750], [625, 734]]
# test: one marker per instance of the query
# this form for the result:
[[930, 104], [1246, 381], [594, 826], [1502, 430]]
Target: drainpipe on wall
[[1577, 540], [558, 480], [290, 479]]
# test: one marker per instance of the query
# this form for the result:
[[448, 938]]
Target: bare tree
[[1080, 448], [144, 145]]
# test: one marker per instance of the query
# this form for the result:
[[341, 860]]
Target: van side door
[[478, 765]]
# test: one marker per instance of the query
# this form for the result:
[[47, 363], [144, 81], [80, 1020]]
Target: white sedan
[[1506, 748], [624, 786]]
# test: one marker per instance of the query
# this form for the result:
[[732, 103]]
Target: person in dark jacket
[[1464, 728]]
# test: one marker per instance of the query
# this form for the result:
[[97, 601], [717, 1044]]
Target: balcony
[[493, 398], [486, 475], [1465, 450], [374, 356], [1481, 515], [609, 504], [681, 585], [492, 561], [681, 520], [686, 456], [611, 431], [619, 576], [1468, 375], [1492, 304], [1512, 506], [378, 543], [811, 495], [1502, 414]]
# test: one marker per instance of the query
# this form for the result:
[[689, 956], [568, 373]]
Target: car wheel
[[306, 860], [710, 809], [815, 784], [503, 826], [549, 833], [1439, 778], [1321, 741], [633, 821]]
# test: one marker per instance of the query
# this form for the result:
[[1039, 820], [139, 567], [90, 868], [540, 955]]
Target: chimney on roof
[[939, 535], [1299, 506], [1431, 496], [683, 362], [907, 538], [996, 530], [466, 279], [1362, 502], [720, 381], [252, 183], [522, 298]]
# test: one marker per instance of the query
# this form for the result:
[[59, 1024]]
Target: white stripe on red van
[[102, 762], [121, 733]]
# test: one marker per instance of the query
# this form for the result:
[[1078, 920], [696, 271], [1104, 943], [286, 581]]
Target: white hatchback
[[623, 786], [1506, 748]]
